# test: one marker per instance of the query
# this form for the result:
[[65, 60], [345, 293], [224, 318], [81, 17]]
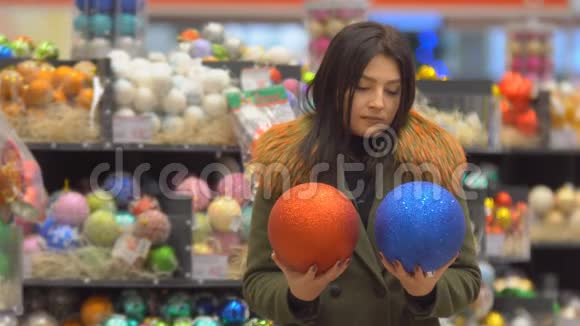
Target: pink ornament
[[153, 225], [199, 190], [291, 85], [235, 186], [33, 243], [534, 64], [320, 45], [71, 208]]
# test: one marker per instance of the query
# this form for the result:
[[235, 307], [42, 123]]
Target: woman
[[362, 97]]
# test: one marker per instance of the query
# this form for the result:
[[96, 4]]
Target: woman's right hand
[[307, 286]]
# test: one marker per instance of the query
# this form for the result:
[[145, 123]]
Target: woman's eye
[[362, 88], [392, 92]]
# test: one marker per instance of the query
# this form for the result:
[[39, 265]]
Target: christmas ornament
[[205, 304], [205, 321], [129, 25], [188, 35], [21, 48], [259, 322], [125, 220], [430, 220], [175, 102], [132, 6], [61, 237], [95, 310], [132, 305], [101, 200], [163, 260], [201, 227], [200, 48], [154, 226], [224, 214], [33, 243], [313, 224], [566, 199], [233, 47], [6, 52], [503, 216], [71, 208], [143, 204], [10, 83], [121, 186], [494, 319], [173, 125], [235, 186], [213, 32], [62, 303], [502, 198], [541, 199], [198, 189], [117, 320], [178, 306], [215, 105], [46, 50], [101, 229], [234, 312]]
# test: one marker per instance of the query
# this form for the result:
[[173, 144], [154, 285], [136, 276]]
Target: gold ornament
[[494, 319], [503, 216], [489, 205], [426, 72]]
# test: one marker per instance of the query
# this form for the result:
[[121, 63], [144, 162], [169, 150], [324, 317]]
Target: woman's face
[[376, 98]]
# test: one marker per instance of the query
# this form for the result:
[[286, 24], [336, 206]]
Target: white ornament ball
[[566, 199], [175, 102], [142, 78], [253, 53], [157, 57], [120, 56], [125, 113], [215, 105], [128, 43], [521, 321], [278, 55], [234, 47], [213, 32], [121, 69], [193, 91], [99, 47], [184, 47], [140, 64], [178, 80], [181, 62], [194, 117], [173, 125], [541, 200], [155, 121], [145, 100], [124, 92], [215, 81], [161, 80]]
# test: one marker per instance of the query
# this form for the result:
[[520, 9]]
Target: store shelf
[[555, 245], [109, 147], [235, 149], [166, 284]]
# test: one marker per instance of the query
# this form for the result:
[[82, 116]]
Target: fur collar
[[421, 144]]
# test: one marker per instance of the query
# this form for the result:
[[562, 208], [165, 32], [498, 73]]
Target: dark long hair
[[338, 76]]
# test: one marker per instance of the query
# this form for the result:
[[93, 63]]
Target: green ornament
[[101, 200], [308, 77], [219, 52], [259, 322], [201, 228], [4, 40], [21, 48], [183, 322], [159, 323], [163, 260], [46, 50], [133, 305], [125, 220]]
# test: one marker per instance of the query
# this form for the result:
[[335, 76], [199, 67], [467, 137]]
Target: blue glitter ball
[[420, 224], [205, 304], [234, 312], [6, 52]]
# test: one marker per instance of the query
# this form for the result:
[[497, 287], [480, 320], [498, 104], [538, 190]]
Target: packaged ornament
[[325, 18], [103, 25], [525, 116], [530, 50], [22, 203], [56, 101], [565, 116], [507, 228], [466, 109], [556, 213], [23, 47]]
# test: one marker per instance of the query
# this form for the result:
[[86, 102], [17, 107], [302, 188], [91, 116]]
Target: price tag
[[131, 249], [494, 245], [132, 129], [255, 78], [210, 267]]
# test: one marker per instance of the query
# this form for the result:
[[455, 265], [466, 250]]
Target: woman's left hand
[[417, 284]]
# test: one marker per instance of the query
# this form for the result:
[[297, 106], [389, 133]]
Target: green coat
[[365, 294]]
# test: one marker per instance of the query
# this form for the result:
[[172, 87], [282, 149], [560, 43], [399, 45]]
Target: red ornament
[[143, 204], [502, 199], [527, 122], [275, 76], [508, 115], [188, 35], [313, 224]]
